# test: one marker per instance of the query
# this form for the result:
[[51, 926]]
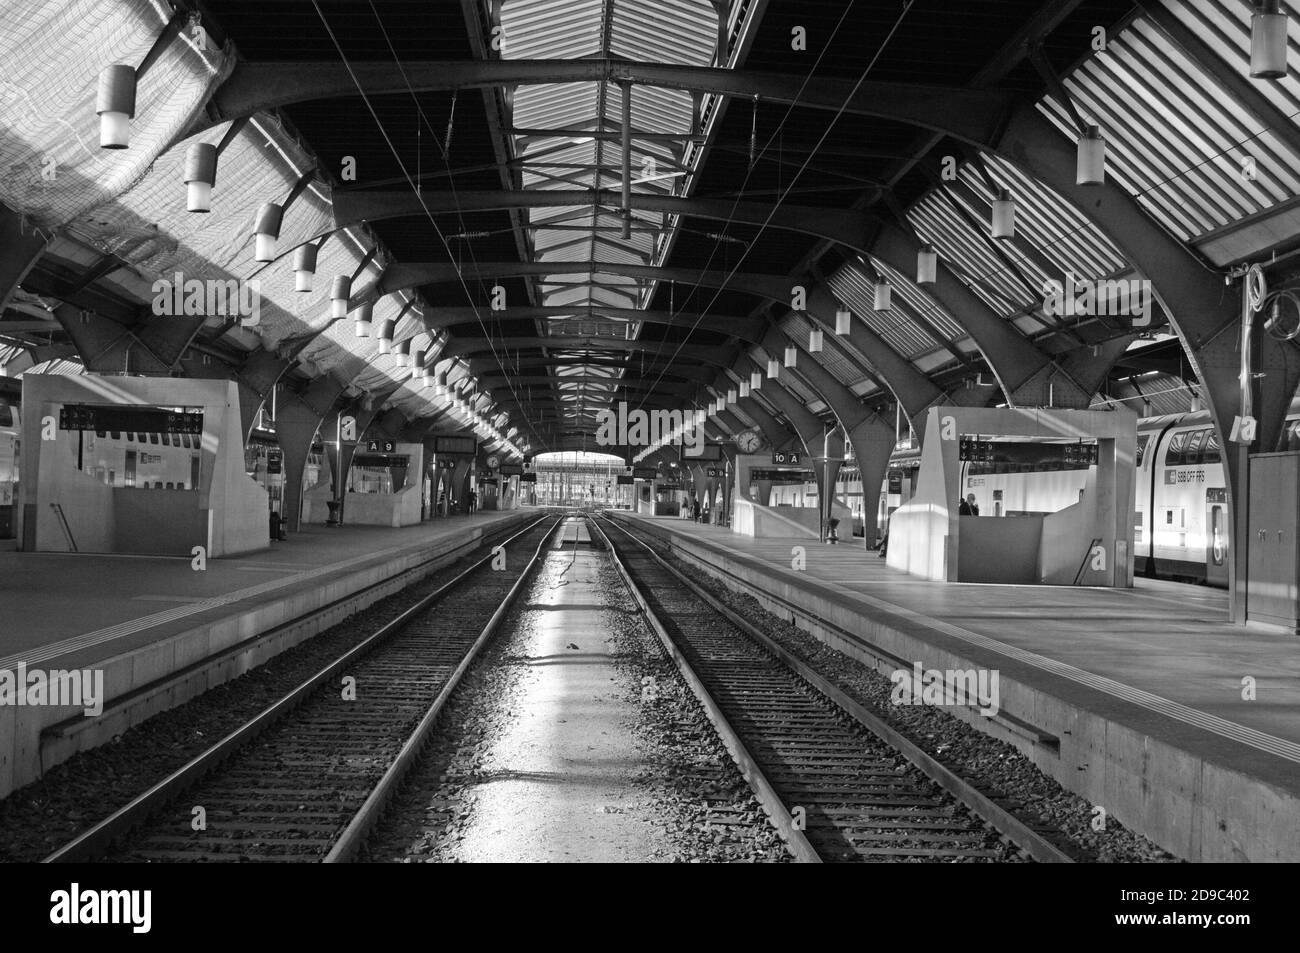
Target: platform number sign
[[381, 446], [787, 457]]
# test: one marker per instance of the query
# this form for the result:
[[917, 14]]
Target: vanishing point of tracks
[[837, 782], [307, 778]]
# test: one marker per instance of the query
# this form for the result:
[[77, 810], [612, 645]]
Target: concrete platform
[[1130, 697], [162, 632]]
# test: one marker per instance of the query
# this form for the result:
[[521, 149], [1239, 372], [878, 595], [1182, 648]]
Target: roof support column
[[297, 420], [21, 246], [871, 436]]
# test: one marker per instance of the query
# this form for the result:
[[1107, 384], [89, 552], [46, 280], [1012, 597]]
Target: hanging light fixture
[[927, 264], [200, 176], [881, 299], [731, 396], [365, 314], [440, 385], [386, 337], [744, 389], [843, 321], [339, 295], [1091, 166], [755, 381], [403, 353], [115, 105], [790, 355], [1004, 215], [304, 266], [815, 341], [773, 369], [267, 231], [1267, 42]]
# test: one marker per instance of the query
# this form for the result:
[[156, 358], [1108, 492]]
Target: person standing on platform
[[695, 508], [968, 506], [473, 501]]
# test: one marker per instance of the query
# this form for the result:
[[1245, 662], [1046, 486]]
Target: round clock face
[[749, 441], [493, 462]]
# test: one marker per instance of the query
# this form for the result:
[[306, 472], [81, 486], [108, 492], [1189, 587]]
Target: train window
[[6, 415], [153, 438], [115, 434], [1174, 455], [1142, 444], [1210, 453], [99, 433], [1192, 454]]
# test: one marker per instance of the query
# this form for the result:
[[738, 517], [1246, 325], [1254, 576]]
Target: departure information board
[[766, 474], [1028, 453], [465, 445], [109, 418]]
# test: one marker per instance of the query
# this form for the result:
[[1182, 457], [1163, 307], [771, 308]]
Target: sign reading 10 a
[[787, 457]]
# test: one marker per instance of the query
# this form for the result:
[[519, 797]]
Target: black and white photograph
[[650, 432]]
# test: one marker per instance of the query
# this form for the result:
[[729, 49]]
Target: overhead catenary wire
[[406, 174], [907, 6]]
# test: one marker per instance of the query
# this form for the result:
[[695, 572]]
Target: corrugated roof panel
[[921, 303], [664, 31], [832, 357], [936, 220], [1177, 139], [854, 288], [556, 106], [1051, 225], [550, 29]]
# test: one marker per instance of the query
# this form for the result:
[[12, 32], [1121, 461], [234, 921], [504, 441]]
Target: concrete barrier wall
[[999, 549], [158, 522], [751, 519]]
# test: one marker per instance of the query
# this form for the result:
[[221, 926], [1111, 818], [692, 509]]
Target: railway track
[[836, 781], [309, 776]]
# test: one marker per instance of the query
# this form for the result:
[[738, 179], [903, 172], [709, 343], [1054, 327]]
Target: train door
[[1216, 537], [129, 475]]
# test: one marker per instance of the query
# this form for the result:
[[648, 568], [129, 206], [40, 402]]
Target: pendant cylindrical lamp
[[1004, 215], [115, 106], [843, 321], [815, 341], [744, 388], [339, 295], [1091, 166], [267, 231], [1267, 42], [386, 337], [927, 264], [790, 355], [365, 314], [881, 298], [403, 353], [731, 396], [304, 266], [755, 381], [773, 369], [200, 176]]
